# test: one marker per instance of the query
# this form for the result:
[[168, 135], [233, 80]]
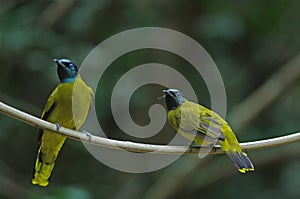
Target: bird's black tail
[[241, 161]]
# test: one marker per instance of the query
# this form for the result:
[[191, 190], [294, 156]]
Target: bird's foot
[[194, 145], [57, 126], [89, 135]]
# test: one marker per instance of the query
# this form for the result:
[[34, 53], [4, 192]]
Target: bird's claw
[[57, 126], [89, 135], [194, 145]]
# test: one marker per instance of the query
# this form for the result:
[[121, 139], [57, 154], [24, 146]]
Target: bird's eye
[[71, 65]]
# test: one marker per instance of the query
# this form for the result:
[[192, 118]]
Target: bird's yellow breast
[[73, 101], [62, 113]]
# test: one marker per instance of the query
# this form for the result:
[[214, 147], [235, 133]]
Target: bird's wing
[[211, 125], [202, 120], [49, 107]]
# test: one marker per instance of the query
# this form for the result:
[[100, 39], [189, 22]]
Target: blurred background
[[255, 45]]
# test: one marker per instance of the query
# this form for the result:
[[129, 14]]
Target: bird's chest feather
[[185, 116], [62, 113]]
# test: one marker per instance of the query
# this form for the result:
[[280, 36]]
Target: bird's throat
[[68, 80]]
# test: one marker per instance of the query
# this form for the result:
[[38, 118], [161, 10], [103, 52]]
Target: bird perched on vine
[[204, 127], [58, 110]]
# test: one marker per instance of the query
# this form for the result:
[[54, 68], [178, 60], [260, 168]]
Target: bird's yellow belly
[[51, 145], [63, 115]]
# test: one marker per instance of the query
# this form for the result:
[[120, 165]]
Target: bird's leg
[[57, 126], [194, 145], [89, 135]]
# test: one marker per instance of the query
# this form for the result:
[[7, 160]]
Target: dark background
[[251, 42]]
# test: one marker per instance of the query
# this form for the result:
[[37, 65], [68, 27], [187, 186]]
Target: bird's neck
[[68, 80], [172, 103]]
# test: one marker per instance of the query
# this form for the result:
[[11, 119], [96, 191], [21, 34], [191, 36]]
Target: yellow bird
[[58, 110], [204, 127]]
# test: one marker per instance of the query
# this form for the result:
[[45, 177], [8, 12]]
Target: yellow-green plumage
[[58, 109], [204, 127]]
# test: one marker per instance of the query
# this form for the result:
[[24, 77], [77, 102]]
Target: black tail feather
[[241, 161]]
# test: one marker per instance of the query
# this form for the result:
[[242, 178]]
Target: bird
[[204, 127], [58, 110]]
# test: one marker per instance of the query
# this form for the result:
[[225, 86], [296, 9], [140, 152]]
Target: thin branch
[[56, 11], [265, 95], [132, 146]]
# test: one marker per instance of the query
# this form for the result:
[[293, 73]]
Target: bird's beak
[[58, 62], [166, 92], [163, 96]]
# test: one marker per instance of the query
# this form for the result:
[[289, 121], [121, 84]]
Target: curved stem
[[133, 146]]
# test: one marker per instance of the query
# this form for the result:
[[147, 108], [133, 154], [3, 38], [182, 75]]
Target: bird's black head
[[67, 71], [174, 98]]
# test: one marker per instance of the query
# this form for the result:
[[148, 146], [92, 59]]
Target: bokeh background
[[255, 45]]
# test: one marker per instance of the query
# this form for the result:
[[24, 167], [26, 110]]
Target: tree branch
[[265, 95], [132, 146]]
